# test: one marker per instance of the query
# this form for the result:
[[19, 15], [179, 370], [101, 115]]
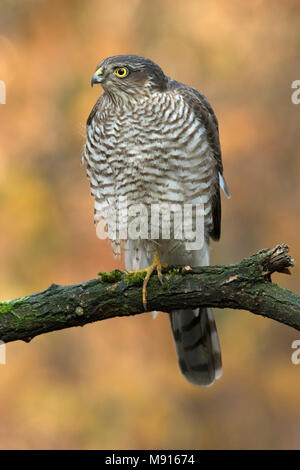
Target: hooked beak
[[97, 77]]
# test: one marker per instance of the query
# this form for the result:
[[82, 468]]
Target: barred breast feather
[[153, 151]]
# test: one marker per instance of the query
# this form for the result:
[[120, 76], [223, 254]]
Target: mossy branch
[[246, 285]]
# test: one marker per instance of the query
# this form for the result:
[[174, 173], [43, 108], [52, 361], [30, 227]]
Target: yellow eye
[[121, 72]]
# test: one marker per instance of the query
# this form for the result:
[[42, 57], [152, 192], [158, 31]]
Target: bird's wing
[[206, 115]]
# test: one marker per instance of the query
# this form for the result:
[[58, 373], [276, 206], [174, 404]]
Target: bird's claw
[[156, 265]]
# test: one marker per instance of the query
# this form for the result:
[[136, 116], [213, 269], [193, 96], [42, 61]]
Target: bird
[[151, 140]]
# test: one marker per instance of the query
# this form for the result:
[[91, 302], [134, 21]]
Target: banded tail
[[197, 345]]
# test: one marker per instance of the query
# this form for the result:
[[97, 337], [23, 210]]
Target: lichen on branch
[[246, 285]]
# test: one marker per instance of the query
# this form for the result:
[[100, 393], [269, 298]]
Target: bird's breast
[[154, 151]]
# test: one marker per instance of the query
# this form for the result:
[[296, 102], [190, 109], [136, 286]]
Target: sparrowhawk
[[154, 141]]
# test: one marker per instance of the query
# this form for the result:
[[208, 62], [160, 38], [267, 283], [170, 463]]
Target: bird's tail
[[197, 345]]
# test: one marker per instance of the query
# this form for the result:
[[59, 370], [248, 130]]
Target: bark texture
[[246, 285]]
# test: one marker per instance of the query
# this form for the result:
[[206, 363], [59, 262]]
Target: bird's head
[[124, 76]]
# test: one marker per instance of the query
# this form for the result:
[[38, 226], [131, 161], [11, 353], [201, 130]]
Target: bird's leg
[[156, 265]]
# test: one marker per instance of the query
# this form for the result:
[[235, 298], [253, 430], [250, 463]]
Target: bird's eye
[[121, 72]]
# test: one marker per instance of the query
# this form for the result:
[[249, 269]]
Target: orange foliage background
[[115, 384]]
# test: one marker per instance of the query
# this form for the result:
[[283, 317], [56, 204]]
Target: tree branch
[[246, 285]]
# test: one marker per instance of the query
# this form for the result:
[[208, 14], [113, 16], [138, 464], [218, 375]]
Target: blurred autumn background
[[115, 384]]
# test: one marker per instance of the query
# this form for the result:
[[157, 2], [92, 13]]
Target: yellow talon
[[156, 265]]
